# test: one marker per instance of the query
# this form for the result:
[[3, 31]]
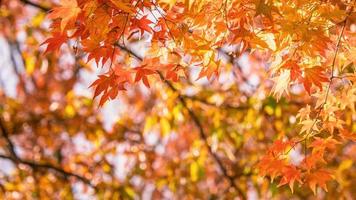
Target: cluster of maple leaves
[[275, 164], [296, 34], [102, 28]]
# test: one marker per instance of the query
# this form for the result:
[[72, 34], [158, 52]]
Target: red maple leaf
[[294, 68], [109, 86], [55, 42], [142, 24], [141, 74], [314, 76], [320, 178]]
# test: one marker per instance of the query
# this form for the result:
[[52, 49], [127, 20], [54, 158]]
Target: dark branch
[[196, 122], [129, 51], [36, 5], [233, 60], [47, 166], [34, 165], [203, 136], [223, 106], [5, 135]]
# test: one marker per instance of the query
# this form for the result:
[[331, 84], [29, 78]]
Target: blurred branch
[[224, 106], [47, 166], [203, 136], [233, 60], [34, 165], [36, 5], [5, 135], [15, 49], [196, 122]]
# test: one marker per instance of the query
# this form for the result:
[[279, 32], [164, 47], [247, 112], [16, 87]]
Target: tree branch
[[5, 135], [36, 5], [34, 165], [47, 166], [233, 60], [223, 106], [196, 121], [203, 136]]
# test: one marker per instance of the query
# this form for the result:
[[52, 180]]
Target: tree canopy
[[178, 99]]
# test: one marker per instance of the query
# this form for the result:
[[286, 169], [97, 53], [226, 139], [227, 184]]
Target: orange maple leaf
[[294, 68], [320, 178], [272, 166], [310, 162], [290, 174], [320, 144], [109, 85], [142, 24], [348, 135], [68, 12], [280, 146], [173, 72], [314, 76], [55, 42], [124, 6], [141, 74]]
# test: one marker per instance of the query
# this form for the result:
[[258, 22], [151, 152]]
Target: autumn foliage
[[178, 99]]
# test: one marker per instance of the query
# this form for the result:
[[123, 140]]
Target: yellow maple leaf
[[309, 125], [281, 84]]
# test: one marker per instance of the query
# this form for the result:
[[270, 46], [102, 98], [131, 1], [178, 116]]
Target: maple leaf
[[314, 76], [272, 166], [142, 24], [103, 53], [96, 51], [173, 72], [167, 3], [333, 123], [68, 12], [294, 68], [124, 6], [141, 74], [212, 69], [280, 146], [109, 86], [304, 113], [160, 30], [348, 135], [123, 75], [320, 178], [320, 144], [101, 84], [55, 42], [349, 98], [281, 83], [309, 125], [290, 174], [310, 162], [265, 8], [321, 44]]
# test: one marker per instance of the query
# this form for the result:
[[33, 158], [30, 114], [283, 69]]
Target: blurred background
[[57, 143]]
